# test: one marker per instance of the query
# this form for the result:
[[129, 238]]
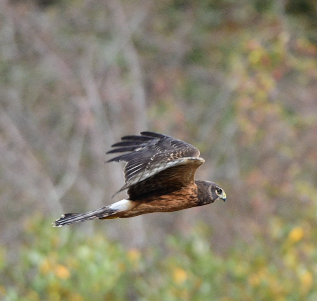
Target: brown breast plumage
[[183, 198]]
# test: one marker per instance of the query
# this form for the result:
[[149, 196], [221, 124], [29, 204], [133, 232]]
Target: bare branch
[[26, 155]]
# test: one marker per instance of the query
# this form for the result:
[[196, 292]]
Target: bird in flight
[[159, 177]]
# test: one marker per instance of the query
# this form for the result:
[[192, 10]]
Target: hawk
[[159, 177]]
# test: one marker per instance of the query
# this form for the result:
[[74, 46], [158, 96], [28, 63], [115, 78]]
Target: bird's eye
[[219, 191]]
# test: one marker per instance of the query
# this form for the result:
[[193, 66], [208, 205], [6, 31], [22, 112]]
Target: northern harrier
[[159, 175]]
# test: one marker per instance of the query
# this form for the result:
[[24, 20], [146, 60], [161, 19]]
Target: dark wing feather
[[150, 154], [167, 180]]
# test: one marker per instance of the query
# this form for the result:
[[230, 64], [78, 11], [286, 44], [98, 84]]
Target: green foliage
[[58, 264]]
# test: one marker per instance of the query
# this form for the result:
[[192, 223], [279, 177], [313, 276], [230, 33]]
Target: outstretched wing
[[166, 181], [149, 154]]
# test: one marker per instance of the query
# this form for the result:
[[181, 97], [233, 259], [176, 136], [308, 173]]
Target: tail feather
[[101, 213], [70, 218]]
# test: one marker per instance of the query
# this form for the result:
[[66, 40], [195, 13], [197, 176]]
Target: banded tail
[[101, 213]]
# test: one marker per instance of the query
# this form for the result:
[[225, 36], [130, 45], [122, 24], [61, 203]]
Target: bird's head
[[209, 192], [217, 193]]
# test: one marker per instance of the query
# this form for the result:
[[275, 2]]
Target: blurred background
[[237, 79]]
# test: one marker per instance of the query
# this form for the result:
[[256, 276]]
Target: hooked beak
[[223, 196]]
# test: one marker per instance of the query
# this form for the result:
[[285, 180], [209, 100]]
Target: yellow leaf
[[296, 234], [134, 255], [179, 275], [62, 272]]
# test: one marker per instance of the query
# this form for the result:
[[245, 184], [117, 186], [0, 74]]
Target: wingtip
[[153, 134], [56, 225]]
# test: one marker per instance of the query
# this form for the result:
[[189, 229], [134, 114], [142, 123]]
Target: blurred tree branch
[[28, 167], [122, 29]]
